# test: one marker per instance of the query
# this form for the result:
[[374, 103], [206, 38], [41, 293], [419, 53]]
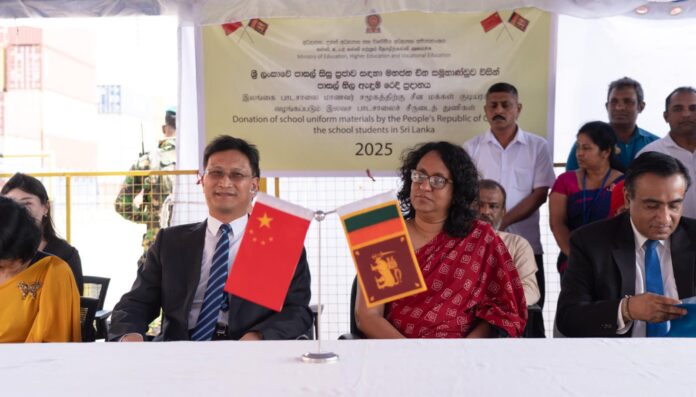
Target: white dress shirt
[[667, 146], [664, 254], [211, 238], [523, 256], [524, 165]]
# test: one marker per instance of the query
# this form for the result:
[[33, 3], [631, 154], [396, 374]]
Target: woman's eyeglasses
[[435, 181]]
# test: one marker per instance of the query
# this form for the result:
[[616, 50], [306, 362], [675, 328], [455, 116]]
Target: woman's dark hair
[[31, 185], [464, 184], [602, 135], [19, 234]]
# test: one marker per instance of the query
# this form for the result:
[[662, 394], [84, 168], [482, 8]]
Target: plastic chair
[[354, 331], [88, 308], [96, 287], [535, 323], [313, 330]]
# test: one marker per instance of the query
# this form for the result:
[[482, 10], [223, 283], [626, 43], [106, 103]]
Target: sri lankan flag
[[518, 21], [258, 25], [386, 266]]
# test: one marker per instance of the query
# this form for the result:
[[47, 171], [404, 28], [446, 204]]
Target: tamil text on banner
[[386, 266], [269, 252], [334, 96]]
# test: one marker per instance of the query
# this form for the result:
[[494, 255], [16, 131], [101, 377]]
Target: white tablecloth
[[526, 367]]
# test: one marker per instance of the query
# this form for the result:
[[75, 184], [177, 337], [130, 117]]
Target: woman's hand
[[481, 330], [558, 220]]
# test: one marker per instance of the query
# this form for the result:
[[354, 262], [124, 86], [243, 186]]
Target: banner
[[342, 95]]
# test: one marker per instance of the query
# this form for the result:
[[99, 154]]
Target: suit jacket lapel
[[683, 258], [624, 254], [235, 303], [192, 259]]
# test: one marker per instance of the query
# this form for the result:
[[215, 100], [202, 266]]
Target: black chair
[[96, 287], [315, 313], [534, 320], [535, 323], [354, 331], [88, 308], [313, 330]]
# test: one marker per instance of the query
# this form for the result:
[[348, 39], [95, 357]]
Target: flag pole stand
[[319, 357]]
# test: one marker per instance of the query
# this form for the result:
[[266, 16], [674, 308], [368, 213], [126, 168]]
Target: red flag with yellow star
[[269, 252]]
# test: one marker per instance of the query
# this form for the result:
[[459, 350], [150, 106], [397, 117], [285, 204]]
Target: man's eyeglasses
[[217, 175], [435, 181]]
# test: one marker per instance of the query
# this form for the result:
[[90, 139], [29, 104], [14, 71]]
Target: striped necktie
[[653, 283], [214, 293]]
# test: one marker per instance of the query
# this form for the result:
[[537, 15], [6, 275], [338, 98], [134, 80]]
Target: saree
[[584, 207], [469, 279]]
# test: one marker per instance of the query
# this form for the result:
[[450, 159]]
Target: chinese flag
[[386, 266], [491, 22], [258, 25], [268, 255], [518, 21], [230, 28]]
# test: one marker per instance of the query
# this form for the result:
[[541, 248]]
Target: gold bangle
[[628, 308]]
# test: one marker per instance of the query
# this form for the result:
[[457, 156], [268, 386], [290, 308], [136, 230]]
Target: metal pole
[[319, 281], [319, 357], [68, 208]]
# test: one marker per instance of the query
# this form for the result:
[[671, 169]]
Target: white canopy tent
[[581, 78], [203, 12]]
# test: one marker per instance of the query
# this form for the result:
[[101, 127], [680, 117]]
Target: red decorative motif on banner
[[373, 21], [518, 21], [230, 28], [258, 25], [491, 22]]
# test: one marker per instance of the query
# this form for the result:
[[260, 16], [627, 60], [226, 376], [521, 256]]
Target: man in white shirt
[[680, 142], [520, 162], [626, 274], [185, 265]]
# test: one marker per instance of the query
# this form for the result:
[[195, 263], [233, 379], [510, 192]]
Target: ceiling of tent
[[204, 12]]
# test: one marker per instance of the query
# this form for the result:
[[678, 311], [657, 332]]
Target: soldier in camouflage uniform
[[141, 198]]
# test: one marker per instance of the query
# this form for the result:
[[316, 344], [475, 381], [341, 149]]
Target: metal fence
[[110, 245]]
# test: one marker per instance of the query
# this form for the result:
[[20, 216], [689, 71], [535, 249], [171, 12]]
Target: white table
[[503, 367]]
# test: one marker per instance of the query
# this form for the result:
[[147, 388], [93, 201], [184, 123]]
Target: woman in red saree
[[473, 287]]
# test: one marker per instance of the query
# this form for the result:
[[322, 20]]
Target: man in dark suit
[[626, 274], [180, 273]]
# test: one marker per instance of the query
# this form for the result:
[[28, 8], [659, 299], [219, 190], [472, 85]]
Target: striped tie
[[214, 293]]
